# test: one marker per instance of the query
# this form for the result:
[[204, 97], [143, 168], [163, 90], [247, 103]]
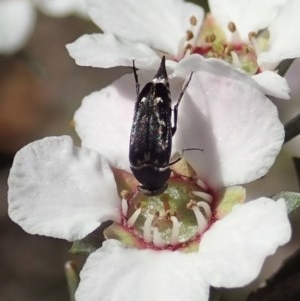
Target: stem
[[72, 275], [292, 128]]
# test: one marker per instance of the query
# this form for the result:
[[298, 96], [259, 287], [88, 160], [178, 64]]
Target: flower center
[[171, 220], [211, 42]]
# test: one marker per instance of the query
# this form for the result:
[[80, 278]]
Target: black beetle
[[152, 131]]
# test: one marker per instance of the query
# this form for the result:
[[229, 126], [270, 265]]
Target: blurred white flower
[[262, 33], [62, 8], [60, 190], [18, 18]]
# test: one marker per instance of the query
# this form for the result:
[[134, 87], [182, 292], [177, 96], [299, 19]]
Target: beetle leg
[[175, 110], [137, 84]]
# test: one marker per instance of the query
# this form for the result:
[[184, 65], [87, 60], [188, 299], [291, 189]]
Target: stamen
[[235, 59], [253, 40], [134, 217], [203, 195], [147, 228], [235, 36], [191, 35], [124, 202], [206, 208], [201, 184], [175, 230], [157, 240], [201, 221]]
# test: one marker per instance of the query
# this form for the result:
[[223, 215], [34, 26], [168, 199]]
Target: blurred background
[[40, 89]]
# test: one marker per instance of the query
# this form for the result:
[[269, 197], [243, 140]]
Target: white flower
[[142, 30], [269, 27], [18, 18], [60, 190], [62, 8], [139, 30]]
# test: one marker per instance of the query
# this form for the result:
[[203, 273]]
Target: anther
[[191, 204], [134, 217], [203, 195], [189, 35], [193, 20], [231, 26], [251, 35]]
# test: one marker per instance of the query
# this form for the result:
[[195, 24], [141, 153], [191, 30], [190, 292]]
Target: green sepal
[[118, 232], [230, 196], [292, 200], [191, 247], [82, 247]]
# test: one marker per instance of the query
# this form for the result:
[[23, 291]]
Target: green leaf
[[292, 200]]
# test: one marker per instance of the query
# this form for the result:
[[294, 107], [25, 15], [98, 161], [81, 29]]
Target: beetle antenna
[[137, 84]]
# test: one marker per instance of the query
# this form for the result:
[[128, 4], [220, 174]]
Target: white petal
[[60, 190], [115, 273], [225, 114], [17, 20], [106, 51], [273, 84], [62, 8], [104, 120], [160, 26], [247, 15], [233, 250], [284, 35]]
